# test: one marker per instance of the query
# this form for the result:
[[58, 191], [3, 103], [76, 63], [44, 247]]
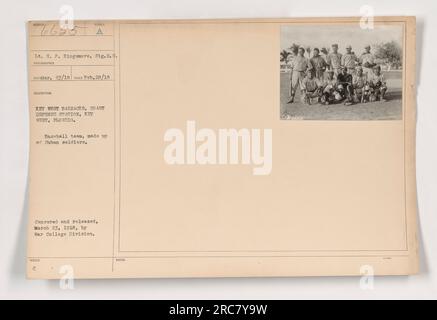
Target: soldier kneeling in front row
[[311, 88], [345, 87], [361, 87], [329, 88], [378, 85]]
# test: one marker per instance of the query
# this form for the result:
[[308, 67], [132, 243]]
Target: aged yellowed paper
[[222, 148]]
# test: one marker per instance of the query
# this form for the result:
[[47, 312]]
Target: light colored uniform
[[367, 57], [311, 85], [299, 65], [359, 81], [334, 62], [349, 60], [374, 80], [329, 85], [377, 82]]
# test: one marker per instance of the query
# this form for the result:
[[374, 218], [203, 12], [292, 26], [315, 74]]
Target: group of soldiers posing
[[334, 77]]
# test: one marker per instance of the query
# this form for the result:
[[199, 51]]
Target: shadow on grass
[[393, 95]]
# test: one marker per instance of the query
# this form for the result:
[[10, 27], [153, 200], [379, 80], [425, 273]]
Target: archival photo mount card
[[222, 148]]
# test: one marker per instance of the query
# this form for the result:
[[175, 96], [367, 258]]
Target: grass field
[[389, 110]]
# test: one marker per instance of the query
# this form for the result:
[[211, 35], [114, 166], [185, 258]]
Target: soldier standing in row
[[334, 60], [324, 54], [299, 65], [290, 59], [349, 60], [367, 60], [318, 64]]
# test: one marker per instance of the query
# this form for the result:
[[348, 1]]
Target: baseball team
[[334, 77]]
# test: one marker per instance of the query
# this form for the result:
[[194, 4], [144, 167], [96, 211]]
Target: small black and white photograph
[[341, 72]]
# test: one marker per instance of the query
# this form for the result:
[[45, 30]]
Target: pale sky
[[349, 34]]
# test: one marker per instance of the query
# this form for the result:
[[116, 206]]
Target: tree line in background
[[388, 53]]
